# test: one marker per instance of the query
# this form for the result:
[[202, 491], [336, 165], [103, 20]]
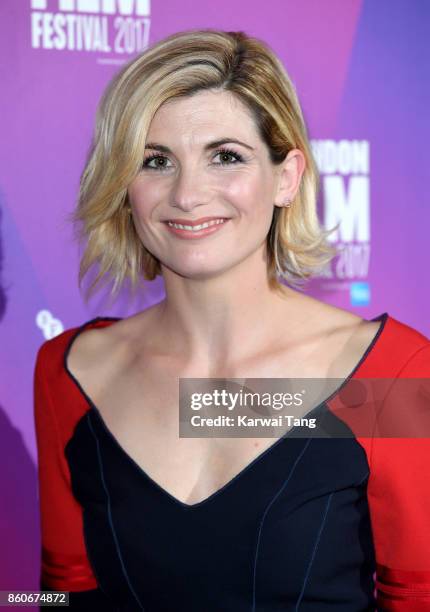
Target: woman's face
[[185, 176]]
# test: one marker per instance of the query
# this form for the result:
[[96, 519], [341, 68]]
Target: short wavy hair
[[177, 66]]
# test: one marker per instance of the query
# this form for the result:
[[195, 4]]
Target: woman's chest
[[142, 406], [148, 414]]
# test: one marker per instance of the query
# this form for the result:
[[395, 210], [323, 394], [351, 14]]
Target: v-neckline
[[94, 409]]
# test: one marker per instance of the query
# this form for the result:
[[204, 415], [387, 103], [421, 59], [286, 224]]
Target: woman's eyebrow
[[207, 147]]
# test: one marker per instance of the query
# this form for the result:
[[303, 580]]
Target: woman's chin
[[197, 271]]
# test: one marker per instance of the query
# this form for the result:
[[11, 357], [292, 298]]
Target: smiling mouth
[[196, 228]]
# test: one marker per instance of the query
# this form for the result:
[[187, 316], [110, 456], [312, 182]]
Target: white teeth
[[195, 228]]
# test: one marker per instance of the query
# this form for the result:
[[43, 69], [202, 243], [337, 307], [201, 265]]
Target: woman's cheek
[[240, 190]]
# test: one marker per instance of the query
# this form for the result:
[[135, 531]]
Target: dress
[[307, 525]]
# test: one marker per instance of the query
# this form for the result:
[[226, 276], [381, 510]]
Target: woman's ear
[[291, 172]]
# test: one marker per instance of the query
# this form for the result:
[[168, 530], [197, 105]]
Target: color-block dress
[[307, 525]]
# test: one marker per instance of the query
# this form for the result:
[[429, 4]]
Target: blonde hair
[[177, 66]]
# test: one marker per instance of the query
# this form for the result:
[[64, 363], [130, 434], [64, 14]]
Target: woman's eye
[[155, 158], [226, 153], [161, 161]]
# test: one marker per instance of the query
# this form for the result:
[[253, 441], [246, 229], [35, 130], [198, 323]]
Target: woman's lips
[[193, 234]]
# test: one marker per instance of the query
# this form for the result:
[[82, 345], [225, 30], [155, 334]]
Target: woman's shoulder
[[395, 330], [52, 353], [83, 346], [399, 350], [51, 346], [392, 344], [415, 338], [407, 347]]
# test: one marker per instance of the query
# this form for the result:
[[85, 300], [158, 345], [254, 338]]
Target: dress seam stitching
[[109, 508], [296, 462], [317, 541]]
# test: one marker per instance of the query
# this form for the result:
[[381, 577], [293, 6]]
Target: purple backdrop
[[362, 77]]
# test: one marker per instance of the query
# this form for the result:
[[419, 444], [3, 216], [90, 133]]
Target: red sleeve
[[65, 565], [399, 501]]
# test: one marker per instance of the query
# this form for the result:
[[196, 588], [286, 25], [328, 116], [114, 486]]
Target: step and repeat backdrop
[[361, 71]]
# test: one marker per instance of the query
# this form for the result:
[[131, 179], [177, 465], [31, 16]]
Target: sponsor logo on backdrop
[[50, 325], [345, 190], [118, 28]]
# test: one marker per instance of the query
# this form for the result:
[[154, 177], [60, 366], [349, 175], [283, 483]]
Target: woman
[[201, 172]]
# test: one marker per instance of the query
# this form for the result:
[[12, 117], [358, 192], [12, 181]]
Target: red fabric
[[59, 569], [399, 483], [403, 590], [58, 406]]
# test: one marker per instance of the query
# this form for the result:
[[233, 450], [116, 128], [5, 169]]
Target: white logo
[[101, 26], [345, 181], [49, 325]]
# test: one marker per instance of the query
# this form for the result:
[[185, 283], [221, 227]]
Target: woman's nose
[[189, 189]]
